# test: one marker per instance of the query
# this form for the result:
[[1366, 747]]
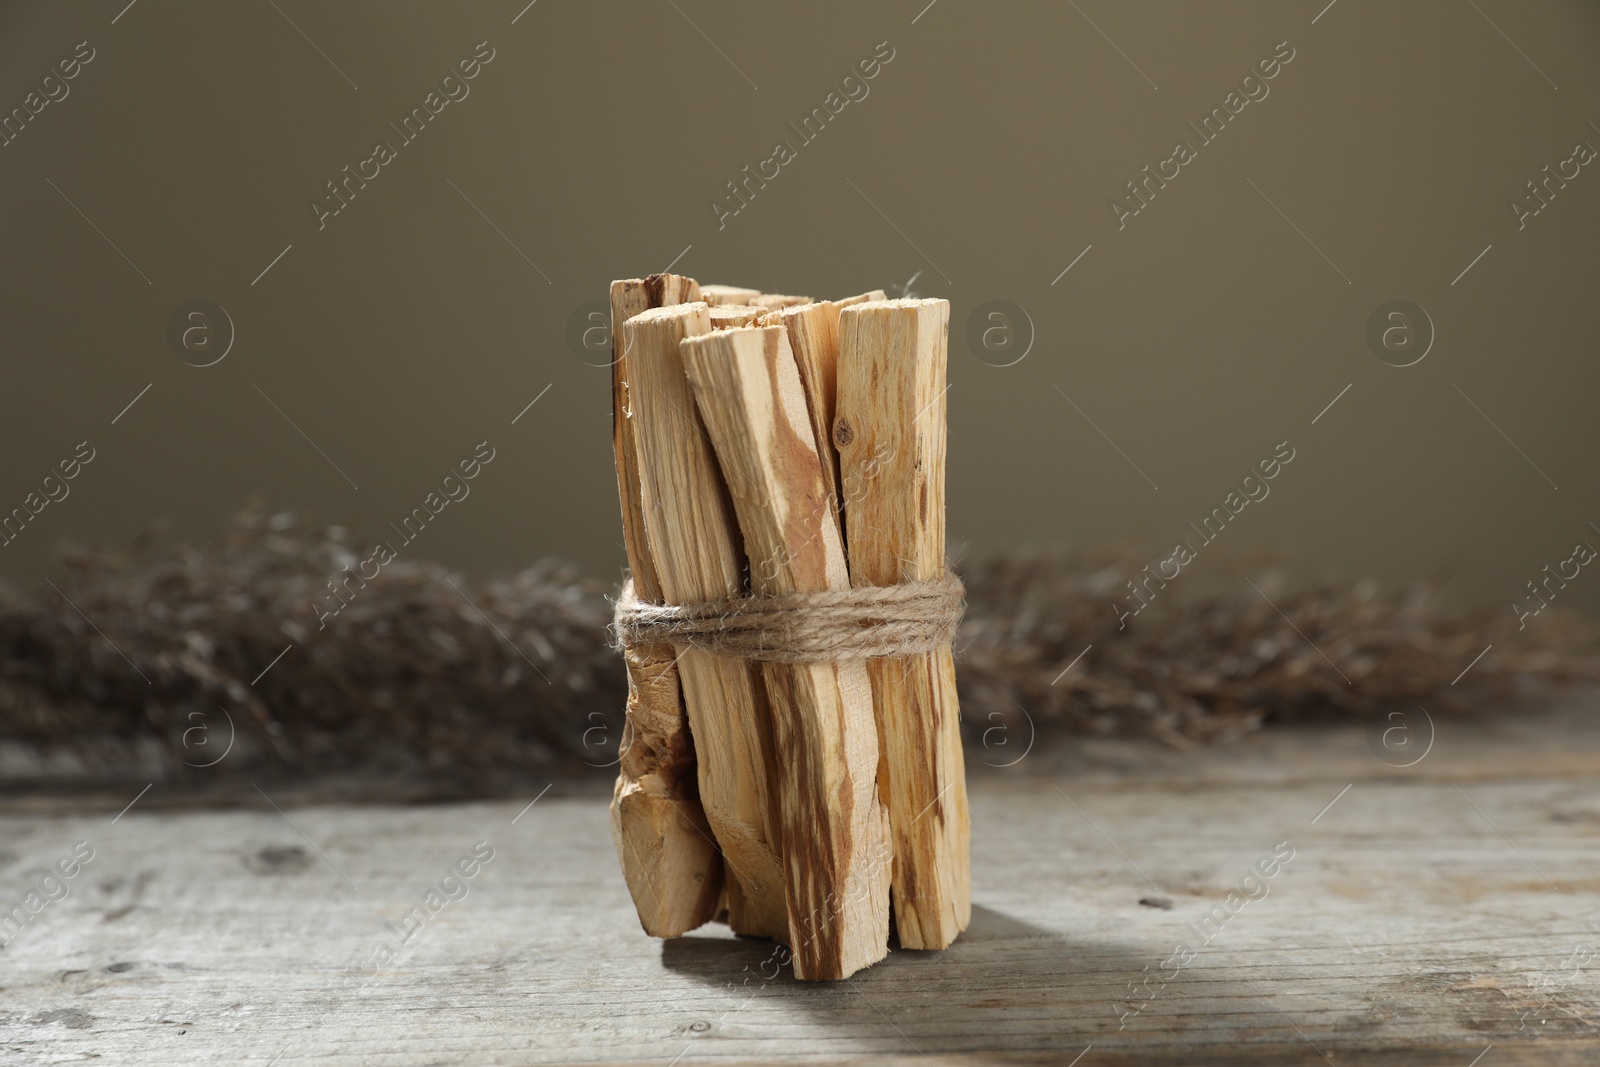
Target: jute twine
[[865, 623]]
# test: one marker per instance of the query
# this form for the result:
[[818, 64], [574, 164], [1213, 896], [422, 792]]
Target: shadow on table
[[1004, 982]]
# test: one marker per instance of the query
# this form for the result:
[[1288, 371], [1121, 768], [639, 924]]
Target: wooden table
[[1431, 914]]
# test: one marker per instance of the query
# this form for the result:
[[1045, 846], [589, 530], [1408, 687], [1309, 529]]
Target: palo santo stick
[[694, 541], [726, 316], [629, 298], [778, 300], [669, 858], [813, 331], [861, 298], [813, 336], [835, 829], [890, 433], [728, 294]]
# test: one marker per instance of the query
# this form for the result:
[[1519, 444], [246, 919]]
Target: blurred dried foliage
[[1208, 660], [419, 672]]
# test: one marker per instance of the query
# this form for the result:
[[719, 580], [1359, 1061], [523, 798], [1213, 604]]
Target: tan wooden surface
[[1415, 924]]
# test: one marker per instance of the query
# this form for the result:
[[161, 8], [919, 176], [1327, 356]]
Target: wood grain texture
[[1406, 932], [628, 298], [664, 842], [669, 859], [813, 336], [859, 298], [727, 316], [694, 540], [836, 846], [890, 433], [813, 331], [727, 294], [779, 300]]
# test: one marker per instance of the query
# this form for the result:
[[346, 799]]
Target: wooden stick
[[670, 861], [813, 331], [860, 298], [836, 845], [726, 316], [694, 541], [778, 300], [629, 298], [669, 857], [813, 337], [727, 294], [890, 433]]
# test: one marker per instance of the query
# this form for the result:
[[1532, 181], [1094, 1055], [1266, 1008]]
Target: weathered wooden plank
[[1405, 930]]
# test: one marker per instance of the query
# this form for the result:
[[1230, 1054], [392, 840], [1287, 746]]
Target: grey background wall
[[380, 348]]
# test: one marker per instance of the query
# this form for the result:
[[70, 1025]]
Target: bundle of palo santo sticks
[[793, 756]]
